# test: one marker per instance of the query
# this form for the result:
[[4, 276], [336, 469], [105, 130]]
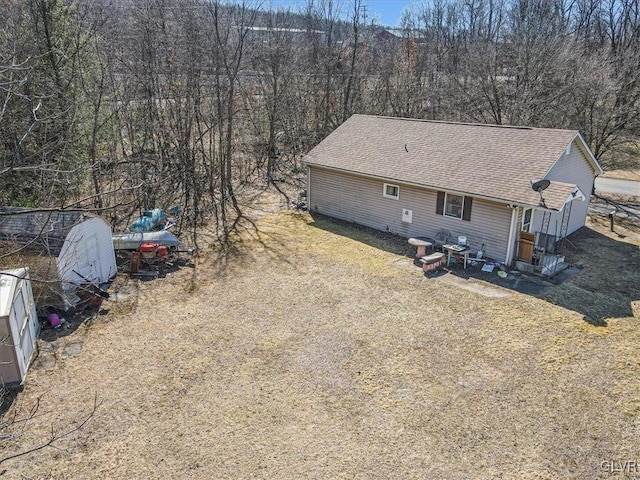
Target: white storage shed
[[19, 325], [81, 243]]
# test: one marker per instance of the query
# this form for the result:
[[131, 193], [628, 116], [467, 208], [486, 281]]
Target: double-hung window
[[453, 205]]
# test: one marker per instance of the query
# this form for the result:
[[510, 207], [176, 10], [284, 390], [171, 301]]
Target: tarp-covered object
[[150, 220]]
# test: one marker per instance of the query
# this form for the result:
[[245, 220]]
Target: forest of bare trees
[[118, 105]]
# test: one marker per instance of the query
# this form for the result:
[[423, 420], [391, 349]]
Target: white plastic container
[[462, 240]]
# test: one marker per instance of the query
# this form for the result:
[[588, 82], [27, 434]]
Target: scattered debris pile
[[149, 249]]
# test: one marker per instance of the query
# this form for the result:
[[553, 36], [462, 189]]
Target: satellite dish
[[540, 185]]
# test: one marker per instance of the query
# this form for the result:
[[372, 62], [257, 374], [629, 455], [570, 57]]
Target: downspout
[[510, 244]]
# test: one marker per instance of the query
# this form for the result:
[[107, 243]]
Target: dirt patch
[[72, 349], [45, 361], [309, 351], [481, 288]]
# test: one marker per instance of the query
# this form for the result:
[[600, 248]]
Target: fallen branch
[[54, 436]]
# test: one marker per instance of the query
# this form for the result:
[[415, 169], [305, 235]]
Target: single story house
[[81, 243], [420, 177]]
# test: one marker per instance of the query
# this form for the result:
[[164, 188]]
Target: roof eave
[[576, 194], [589, 154]]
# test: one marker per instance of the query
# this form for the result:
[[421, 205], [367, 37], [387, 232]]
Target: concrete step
[[554, 269]]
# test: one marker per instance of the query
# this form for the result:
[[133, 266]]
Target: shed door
[[25, 330], [88, 258], [91, 269]]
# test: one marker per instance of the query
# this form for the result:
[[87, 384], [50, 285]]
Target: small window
[[526, 220], [453, 205], [391, 191]]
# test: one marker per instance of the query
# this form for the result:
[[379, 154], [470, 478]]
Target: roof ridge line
[[451, 122]]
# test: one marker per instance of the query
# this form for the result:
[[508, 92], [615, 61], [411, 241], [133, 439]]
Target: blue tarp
[[150, 220]]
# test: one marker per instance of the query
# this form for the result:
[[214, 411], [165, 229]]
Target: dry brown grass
[[628, 174], [316, 350], [43, 271]]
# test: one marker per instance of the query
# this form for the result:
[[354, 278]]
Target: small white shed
[[19, 325], [81, 243]]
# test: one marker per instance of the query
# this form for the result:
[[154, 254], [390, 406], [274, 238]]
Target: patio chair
[[442, 237]]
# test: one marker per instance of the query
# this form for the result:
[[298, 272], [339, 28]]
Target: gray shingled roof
[[490, 161], [43, 231]]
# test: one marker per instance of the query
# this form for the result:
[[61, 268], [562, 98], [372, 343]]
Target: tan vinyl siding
[[574, 168], [360, 199]]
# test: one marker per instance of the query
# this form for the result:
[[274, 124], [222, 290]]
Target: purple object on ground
[[54, 320]]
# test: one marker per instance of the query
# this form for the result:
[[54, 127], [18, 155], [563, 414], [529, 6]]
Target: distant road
[[603, 206], [618, 187]]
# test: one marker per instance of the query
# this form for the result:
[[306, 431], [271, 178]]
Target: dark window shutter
[[466, 211], [440, 203]]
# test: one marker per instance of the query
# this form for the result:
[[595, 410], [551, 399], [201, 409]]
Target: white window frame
[[444, 207], [386, 195], [524, 212]]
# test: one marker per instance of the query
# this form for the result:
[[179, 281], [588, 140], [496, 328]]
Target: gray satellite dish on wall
[[539, 186]]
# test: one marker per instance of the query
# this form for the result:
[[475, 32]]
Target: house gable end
[[575, 168], [579, 143]]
